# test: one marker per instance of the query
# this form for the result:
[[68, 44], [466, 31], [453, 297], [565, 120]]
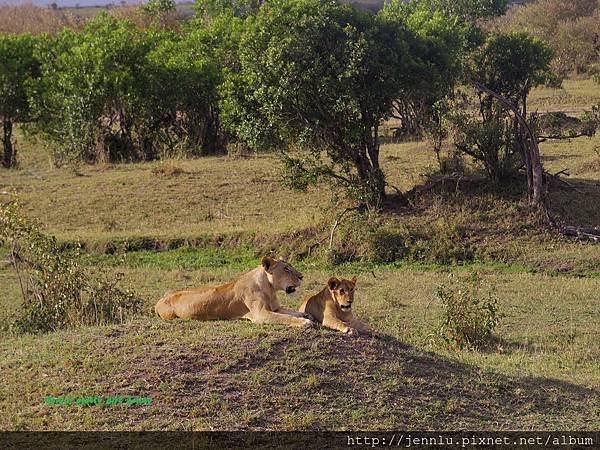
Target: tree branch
[[338, 221]]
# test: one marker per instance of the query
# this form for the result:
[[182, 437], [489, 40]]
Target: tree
[[504, 71], [183, 91], [92, 89], [160, 6], [512, 65], [320, 77], [18, 66], [160, 14], [441, 42], [117, 93], [571, 28]]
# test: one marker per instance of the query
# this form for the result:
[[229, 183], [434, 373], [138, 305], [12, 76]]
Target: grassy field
[[213, 217]]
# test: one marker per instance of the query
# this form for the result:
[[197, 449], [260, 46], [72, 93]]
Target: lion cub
[[333, 307]]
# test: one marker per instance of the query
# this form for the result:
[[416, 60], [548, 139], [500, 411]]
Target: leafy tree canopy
[[320, 77], [512, 64], [18, 68]]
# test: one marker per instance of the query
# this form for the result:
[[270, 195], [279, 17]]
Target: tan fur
[[333, 307], [252, 296]]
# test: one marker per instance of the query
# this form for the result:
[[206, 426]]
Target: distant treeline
[[312, 79]]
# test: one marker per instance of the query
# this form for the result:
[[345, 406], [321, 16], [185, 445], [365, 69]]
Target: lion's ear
[[333, 283], [353, 280], [268, 262]]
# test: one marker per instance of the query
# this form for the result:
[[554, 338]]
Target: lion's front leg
[[293, 313], [264, 316], [337, 324]]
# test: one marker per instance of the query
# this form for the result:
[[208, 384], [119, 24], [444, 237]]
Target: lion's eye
[[341, 291]]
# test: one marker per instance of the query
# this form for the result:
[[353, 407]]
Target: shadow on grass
[[320, 380], [575, 201]]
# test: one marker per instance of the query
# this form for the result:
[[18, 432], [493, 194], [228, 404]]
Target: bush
[[57, 291], [511, 65], [470, 312], [491, 141], [366, 237], [18, 67], [441, 242], [183, 92], [91, 90], [117, 93]]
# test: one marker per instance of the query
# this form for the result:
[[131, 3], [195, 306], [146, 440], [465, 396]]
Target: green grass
[[543, 374], [212, 218], [240, 202], [573, 97]]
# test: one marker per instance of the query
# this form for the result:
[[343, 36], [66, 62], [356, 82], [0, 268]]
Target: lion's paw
[[307, 323], [308, 316]]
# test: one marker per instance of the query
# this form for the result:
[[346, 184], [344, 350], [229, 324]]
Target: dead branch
[[557, 178], [592, 234], [338, 221], [579, 233], [561, 172]]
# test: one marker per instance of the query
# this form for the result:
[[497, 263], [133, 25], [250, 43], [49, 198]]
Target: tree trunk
[[8, 159], [369, 171], [535, 178]]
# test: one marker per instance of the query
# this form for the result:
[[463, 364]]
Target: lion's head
[[281, 275], [342, 291]]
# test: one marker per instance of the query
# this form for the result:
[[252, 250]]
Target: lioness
[[333, 307], [252, 296]]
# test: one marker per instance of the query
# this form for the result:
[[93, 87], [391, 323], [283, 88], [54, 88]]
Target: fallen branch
[[565, 182], [397, 189], [562, 172], [312, 247], [579, 233]]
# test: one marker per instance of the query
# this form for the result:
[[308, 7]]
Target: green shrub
[[57, 291], [115, 92], [470, 312], [18, 67], [366, 237], [441, 242], [386, 246], [511, 65]]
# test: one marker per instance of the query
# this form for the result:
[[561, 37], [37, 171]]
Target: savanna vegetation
[[443, 152]]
